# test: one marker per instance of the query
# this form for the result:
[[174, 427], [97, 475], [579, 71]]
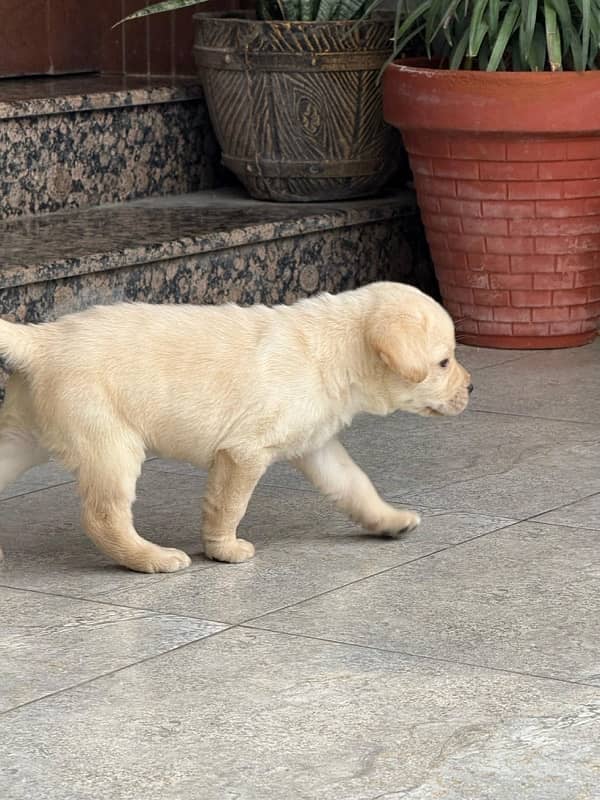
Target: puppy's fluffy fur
[[226, 388]]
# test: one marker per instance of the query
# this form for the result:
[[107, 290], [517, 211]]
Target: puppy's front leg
[[336, 475], [228, 491]]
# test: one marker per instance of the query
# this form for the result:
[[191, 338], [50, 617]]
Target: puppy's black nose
[[470, 388]]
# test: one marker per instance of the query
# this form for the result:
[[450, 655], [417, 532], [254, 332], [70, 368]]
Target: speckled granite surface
[[112, 237], [207, 247], [28, 97], [86, 141]]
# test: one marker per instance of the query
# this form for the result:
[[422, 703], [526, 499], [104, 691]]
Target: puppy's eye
[[444, 363]]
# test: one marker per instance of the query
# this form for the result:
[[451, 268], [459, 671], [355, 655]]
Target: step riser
[[85, 158], [278, 271]]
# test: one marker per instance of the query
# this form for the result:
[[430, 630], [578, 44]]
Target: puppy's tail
[[17, 344]]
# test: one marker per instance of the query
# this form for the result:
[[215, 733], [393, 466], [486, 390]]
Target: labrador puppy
[[226, 388]]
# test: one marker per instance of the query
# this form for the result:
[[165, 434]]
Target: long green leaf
[[349, 9], [475, 44], [537, 52], [553, 42], [402, 29], [327, 10], [529, 9], [493, 16], [505, 32], [459, 52], [585, 30], [476, 24], [159, 8], [290, 9]]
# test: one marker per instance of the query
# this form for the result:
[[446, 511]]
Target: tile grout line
[[113, 671], [530, 518], [450, 546], [245, 624], [420, 656], [498, 363], [37, 491], [531, 416], [399, 566], [92, 599], [98, 598], [182, 573]]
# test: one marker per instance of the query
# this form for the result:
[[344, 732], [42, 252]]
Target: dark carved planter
[[297, 106]]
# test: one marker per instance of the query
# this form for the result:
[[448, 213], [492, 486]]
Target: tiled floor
[[460, 663]]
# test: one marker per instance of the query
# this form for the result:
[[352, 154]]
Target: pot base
[[528, 342]]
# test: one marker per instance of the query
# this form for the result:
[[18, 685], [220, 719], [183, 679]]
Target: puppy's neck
[[351, 373]]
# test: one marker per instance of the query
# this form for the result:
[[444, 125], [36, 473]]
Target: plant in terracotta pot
[[294, 95], [502, 127]]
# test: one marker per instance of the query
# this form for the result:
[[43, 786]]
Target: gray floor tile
[[304, 547], [51, 643], [555, 384], [527, 479], [525, 598], [404, 452], [475, 358], [416, 458], [46, 549], [251, 715], [582, 514], [41, 477], [281, 474]]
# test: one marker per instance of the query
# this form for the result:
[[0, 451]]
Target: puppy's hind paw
[[396, 523]]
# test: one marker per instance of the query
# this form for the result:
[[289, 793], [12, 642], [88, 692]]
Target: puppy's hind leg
[[331, 470], [107, 486], [19, 448], [19, 452]]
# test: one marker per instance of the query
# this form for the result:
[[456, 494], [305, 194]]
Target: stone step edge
[[320, 217], [90, 93]]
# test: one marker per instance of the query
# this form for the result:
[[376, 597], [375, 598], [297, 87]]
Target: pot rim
[[424, 66], [247, 19], [418, 95]]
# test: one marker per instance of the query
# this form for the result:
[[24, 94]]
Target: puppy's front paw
[[232, 552], [396, 522], [153, 558]]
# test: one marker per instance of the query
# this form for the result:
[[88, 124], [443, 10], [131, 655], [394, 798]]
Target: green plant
[[517, 35], [303, 10]]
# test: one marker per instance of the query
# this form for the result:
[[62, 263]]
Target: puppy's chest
[[310, 438]]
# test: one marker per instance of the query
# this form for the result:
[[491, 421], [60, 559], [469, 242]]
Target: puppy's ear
[[401, 346]]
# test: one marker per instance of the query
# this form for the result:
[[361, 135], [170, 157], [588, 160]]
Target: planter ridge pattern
[[509, 190], [296, 106]]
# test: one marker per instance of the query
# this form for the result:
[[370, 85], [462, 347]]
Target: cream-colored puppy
[[226, 388]]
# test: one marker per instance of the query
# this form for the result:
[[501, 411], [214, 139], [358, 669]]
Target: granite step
[[206, 247], [80, 141], [211, 246]]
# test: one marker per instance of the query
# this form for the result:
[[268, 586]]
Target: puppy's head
[[413, 337]]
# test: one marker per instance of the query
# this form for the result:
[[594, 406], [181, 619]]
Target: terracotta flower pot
[[507, 173]]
